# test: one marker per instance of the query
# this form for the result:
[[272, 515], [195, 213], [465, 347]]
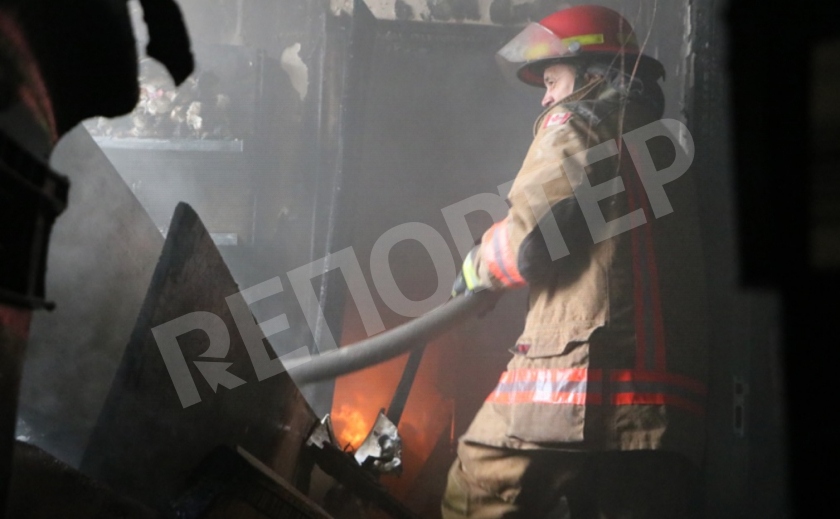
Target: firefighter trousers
[[488, 482]]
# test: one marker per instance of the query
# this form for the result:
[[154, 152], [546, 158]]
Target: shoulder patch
[[557, 119]]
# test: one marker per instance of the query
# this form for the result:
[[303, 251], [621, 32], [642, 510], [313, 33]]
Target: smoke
[[102, 253]]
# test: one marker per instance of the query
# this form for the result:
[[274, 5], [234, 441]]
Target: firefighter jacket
[[613, 353]]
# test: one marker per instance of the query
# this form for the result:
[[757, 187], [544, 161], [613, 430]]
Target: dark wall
[[787, 203]]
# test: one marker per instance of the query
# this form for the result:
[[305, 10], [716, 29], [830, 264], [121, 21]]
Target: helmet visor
[[534, 43]]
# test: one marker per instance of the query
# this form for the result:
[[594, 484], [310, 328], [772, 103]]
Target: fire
[[351, 425], [358, 397], [456, 373]]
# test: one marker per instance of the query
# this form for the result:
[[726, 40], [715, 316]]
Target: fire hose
[[393, 342]]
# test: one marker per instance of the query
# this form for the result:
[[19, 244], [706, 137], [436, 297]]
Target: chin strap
[[169, 42]]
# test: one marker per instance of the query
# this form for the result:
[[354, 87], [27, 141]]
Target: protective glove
[[468, 283], [467, 280]]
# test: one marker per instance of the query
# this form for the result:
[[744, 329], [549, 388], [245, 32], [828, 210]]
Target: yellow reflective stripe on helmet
[[470, 274], [585, 39], [536, 52]]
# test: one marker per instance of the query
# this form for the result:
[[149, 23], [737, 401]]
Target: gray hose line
[[391, 343]]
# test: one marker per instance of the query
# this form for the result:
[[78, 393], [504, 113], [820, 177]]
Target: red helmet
[[568, 35]]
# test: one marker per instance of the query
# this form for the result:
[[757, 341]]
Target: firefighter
[[600, 410]]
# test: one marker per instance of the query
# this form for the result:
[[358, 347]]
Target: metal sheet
[[145, 442]]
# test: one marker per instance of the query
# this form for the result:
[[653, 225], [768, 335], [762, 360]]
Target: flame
[[456, 373], [352, 424], [358, 397]]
